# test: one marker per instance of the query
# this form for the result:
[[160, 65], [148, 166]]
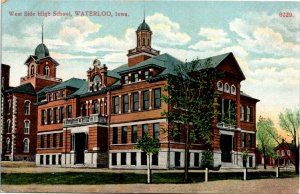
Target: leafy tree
[[207, 159], [289, 122], [192, 103], [264, 136], [150, 146]]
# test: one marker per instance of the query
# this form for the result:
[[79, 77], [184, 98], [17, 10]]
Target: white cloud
[[280, 63], [166, 31]]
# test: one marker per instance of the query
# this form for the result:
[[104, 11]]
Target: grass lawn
[[90, 178]]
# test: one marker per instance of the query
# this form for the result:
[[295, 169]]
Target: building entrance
[[80, 146], [226, 147]]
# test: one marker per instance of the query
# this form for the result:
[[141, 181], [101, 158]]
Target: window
[[143, 158], [9, 105], [115, 135], [47, 71], [48, 140], [123, 158], [146, 100], [61, 140], [196, 159], [55, 95], [157, 98], [133, 134], [53, 159], [156, 130], [43, 117], [26, 127], [96, 83], [125, 103], [242, 113], [47, 159], [49, 116], [249, 114], [243, 140], [233, 89], [155, 159], [69, 111], [288, 152], [62, 113], [135, 77], [146, 75], [126, 79], [144, 130], [226, 87], [50, 97], [124, 134], [114, 159], [59, 159], [54, 140], [32, 70], [133, 158], [249, 141], [116, 104], [135, 101], [55, 119], [42, 141], [62, 93], [7, 144], [83, 110], [27, 108], [95, 107], [282, 153], [220, 86], [8, 127], [41, 159], [177, 158], [26, 145]]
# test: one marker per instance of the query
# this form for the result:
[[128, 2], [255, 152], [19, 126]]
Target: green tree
[[150, 146], [264, 136], [289, 122], [192, 103]]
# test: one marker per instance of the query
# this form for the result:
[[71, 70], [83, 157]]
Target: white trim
[[220, 88], [245, 131], [49, 132], [27, 151], [28, 106], [231, 89], [224, 132], [139, 122], [25, 121], [227, 91]]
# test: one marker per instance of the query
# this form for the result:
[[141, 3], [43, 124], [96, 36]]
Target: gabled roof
[[23, 89], [73, 83]]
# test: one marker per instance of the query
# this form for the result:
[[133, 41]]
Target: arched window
[[233, 89], [95, 107], [27, 107], [26, 145], [32, 70], [47, 71], [282, 153], [26, 126], [220, 86], [8, 127], [83, 110], [226, 89], [7, 144], [96, 83]]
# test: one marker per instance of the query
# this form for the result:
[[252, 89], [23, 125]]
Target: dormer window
[[47, 71], [55, 95], [126, 79], [226, 89], [220, 86], [135, 77], [50, 97], [146, 74], [233, 90]]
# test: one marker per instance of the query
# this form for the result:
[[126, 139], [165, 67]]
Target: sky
[[265, 44]]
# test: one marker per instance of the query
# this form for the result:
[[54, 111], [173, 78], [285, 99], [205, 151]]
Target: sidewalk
[[274, 186]]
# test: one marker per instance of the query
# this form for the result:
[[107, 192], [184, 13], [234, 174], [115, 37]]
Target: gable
[[231, 67]]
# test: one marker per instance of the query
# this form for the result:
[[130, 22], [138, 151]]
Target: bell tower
[[143, 50], [41, 68]]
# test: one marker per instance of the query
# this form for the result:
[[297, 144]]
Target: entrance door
[[226, 147], [80, 147]]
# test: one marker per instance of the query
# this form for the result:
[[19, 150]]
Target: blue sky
[[266, 45]]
